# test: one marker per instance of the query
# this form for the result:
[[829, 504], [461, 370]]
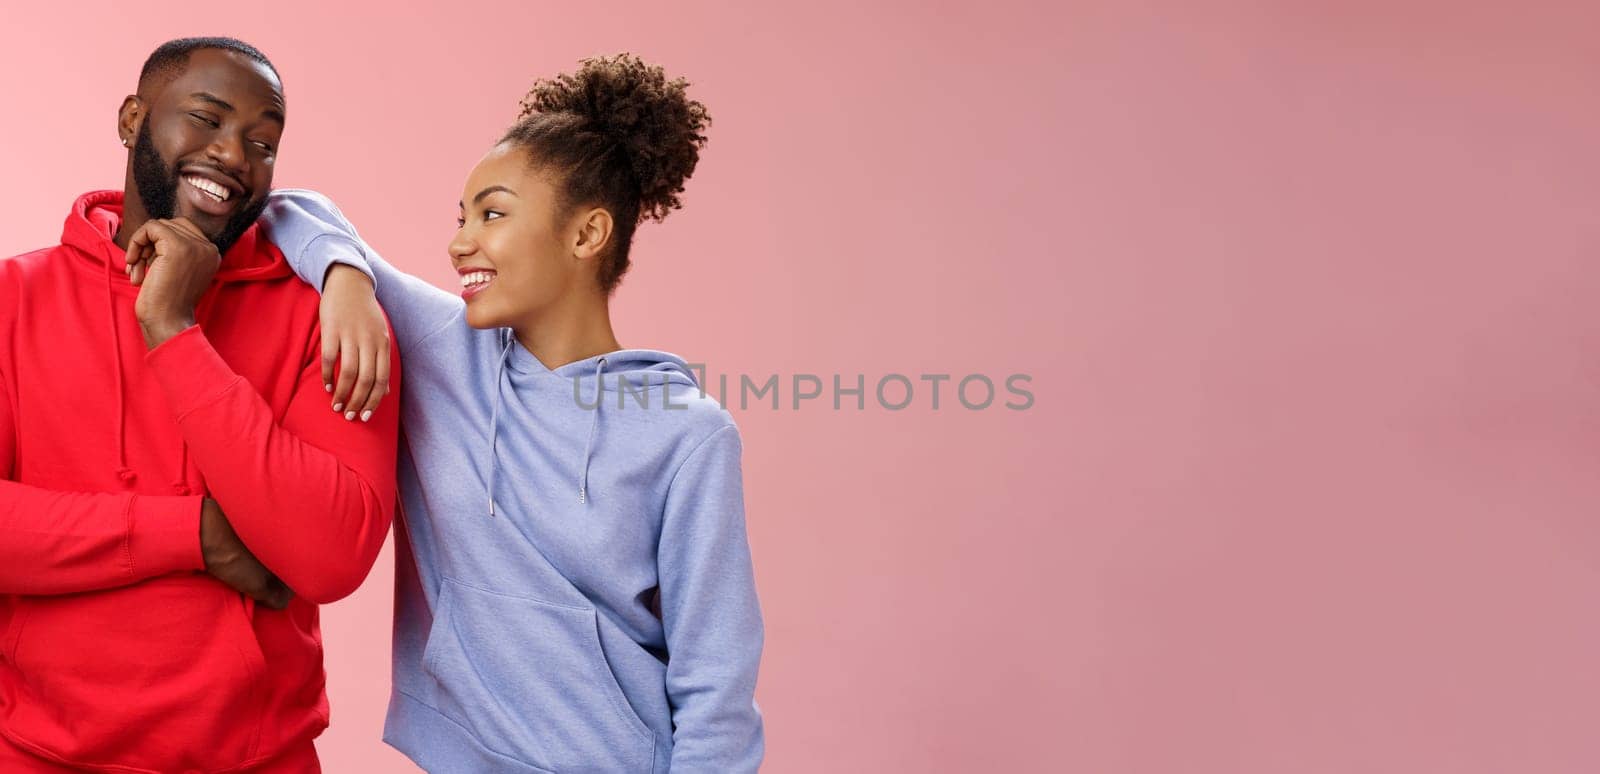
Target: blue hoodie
[[573, 582]]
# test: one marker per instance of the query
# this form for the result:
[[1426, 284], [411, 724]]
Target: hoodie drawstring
[[124, 472], [494, 417], [594, 423], [494, 424]]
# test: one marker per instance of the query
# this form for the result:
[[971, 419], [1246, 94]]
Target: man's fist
[[229, 561], [173, 263]]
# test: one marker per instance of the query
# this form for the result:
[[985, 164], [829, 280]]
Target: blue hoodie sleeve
[[710, 613], [314, 235]]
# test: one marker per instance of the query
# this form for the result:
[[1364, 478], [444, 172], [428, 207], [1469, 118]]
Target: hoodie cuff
[[191, 373], [164, 535]]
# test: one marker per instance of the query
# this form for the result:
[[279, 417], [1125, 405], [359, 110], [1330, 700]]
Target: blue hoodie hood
[[634, 371]]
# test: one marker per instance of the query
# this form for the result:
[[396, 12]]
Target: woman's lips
[[475, 282]]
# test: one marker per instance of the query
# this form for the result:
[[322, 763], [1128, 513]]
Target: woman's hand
[[355, 337]]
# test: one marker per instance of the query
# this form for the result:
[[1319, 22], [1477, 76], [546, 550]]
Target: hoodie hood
[[639, 371], [91, 230], [636, 368]]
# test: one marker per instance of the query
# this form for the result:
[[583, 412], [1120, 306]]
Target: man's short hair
[[170, 57]]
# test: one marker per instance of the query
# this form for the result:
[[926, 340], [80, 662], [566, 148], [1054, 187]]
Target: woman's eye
[[461, 222], [491, 215]]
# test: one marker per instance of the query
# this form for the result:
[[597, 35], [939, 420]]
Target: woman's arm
[[325, 251], [710, 613]]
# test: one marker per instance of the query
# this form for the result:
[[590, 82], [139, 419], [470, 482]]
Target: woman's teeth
[[476, 278], [207, 187]]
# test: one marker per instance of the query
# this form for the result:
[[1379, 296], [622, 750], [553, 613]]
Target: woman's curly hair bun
[[632, 102]]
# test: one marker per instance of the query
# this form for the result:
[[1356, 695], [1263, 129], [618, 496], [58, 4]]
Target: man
[[177, 498]]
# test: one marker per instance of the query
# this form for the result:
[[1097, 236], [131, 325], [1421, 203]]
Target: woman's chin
[[483, 319]]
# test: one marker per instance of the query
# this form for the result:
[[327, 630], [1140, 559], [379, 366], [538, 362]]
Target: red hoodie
[[119, 652]]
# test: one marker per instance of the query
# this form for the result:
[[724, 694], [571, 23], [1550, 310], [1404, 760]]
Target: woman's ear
[[594, 234], [129, 118]]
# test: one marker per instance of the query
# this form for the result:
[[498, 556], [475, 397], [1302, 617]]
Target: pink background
[[1307, 292]]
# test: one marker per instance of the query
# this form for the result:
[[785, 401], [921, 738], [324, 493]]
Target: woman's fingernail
[[338, 407], [328, 387], [349, 415], [366, 415]]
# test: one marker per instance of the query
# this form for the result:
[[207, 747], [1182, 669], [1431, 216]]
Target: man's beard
[[157, 182]]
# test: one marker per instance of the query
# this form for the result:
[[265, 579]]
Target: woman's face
[[511, 252]]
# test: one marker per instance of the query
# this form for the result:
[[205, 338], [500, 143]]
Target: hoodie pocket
[[173, 657], [529, 679]]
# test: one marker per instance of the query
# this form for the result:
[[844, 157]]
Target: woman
[[574, 586]]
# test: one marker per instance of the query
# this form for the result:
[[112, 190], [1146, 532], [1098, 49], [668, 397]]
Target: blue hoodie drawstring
[[494, 417], [594, 423]]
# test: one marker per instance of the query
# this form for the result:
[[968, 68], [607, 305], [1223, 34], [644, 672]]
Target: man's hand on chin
[[173, 263]]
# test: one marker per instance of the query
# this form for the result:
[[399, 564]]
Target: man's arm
[[59, 542], [315, 518], [66, 542]]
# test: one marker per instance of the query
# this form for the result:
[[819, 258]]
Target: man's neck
[[133, 216]]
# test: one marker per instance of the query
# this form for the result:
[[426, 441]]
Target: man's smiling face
[[207, 144]]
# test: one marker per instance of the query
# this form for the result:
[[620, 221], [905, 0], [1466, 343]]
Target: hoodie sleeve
[[54, 542], [710, 613], [314, 235], [311, 497]]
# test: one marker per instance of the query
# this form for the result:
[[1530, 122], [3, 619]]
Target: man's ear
[[129, 118], [594, 234]]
